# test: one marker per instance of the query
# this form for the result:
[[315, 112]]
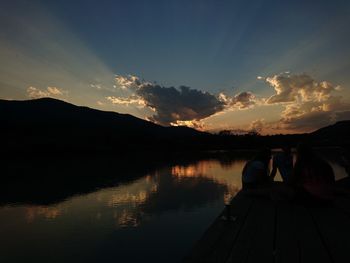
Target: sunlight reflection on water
[[174, 202], [159, 216]]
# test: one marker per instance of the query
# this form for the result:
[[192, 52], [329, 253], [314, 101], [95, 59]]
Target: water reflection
[[34, 212], [222, 173], [173, 203], [157, 215]]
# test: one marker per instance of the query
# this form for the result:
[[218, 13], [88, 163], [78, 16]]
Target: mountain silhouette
[[339, 130], [337, 134], [51, 125], [48, 122], [53, 113]]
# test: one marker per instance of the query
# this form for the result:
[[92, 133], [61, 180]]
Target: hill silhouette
[[336, 134], [54, 124], [53, 113], [51, 125]]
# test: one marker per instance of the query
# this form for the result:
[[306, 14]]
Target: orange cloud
[[35, 93]]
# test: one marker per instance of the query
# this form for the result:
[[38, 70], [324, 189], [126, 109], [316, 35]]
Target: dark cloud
[[183, 104], [308, 104], [244, 100], [176, 106]]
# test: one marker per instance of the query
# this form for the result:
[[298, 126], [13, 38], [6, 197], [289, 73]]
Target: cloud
[[54, 91], [183, 104], [306, 122], [308, 104], [128, 82], [199, 125], [96, 86], [309, 117], [257, 125], [36, 93], [176, 106], [244, 100], [127, 101], [240, 101], [293, 88]]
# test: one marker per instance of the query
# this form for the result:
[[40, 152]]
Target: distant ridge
[[341, 128], [47, 121], [55, 112], [336, 134], [51, 125]]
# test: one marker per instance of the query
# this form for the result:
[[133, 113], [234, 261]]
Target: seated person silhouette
[[283, 161], [345, 160], [256, 171], [313, 177]]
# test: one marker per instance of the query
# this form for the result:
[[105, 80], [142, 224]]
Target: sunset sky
[[272, 66]]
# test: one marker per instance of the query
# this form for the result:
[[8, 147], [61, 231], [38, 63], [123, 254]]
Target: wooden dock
[[262, 230]]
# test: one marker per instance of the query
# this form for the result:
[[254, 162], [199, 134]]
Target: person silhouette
[[256, 171], [283, 161], [312, 177], [345, 160]]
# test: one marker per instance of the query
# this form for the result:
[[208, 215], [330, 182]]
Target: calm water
[[155, 218]]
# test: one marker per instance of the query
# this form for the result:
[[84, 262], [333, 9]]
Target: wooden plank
[[221, 250], [310, 244], [286, 243], [263, 244], [334, 227], [280, 231], [217, 235], [255, 237]]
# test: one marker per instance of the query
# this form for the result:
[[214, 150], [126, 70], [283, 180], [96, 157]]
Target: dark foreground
[[262, 230]]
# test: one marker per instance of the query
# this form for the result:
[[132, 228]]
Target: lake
[[156, 216]]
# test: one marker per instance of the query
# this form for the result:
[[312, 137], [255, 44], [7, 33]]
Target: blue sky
[[209, 46]]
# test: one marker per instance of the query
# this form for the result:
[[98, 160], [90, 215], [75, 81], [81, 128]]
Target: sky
[[268, 66]]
